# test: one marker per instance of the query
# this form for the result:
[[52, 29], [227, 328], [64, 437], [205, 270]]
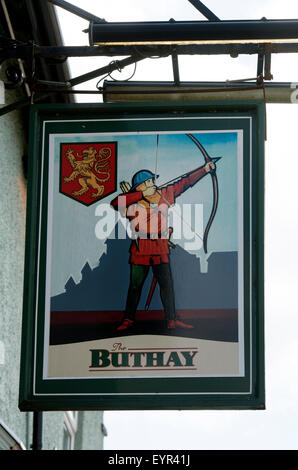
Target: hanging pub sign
[[144, 257]]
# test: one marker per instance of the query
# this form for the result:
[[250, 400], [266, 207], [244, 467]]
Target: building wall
[[13, 146]]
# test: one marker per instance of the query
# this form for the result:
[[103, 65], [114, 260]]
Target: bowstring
[[156, 156], [163, 197], [179, 215]]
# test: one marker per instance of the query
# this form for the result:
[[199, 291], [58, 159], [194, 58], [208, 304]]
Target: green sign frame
[[242, 390]]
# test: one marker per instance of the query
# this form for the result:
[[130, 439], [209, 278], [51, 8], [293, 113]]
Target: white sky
[[277, 426]]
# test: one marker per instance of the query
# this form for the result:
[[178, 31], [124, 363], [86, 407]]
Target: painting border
[[116, 394]]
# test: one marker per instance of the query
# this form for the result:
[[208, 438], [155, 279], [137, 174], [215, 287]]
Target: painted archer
[[146, 207]]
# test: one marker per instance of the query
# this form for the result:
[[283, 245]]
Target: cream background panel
[[214, 358]]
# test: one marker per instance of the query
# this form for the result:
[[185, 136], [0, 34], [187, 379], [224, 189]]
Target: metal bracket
[[37, 430], [204, 10], [175, 63], [267, 69], [210, 16], [65, 86], [28, 52], [264, 63], [77, 11]]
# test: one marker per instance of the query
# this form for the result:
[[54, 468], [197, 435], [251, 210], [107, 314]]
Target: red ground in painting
[[77, 326]]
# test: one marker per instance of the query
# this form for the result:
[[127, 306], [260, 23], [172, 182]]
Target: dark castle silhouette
[[105, 286]]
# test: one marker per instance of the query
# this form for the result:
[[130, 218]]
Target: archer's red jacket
[[149, 221]]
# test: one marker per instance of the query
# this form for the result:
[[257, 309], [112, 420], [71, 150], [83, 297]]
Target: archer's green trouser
[[163, 274]]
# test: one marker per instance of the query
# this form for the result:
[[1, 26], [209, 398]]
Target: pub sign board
[[144, 257]]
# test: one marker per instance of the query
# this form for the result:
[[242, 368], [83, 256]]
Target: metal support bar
[[260, 66], [14, 106], [204, 10], [200, 49], [25, 51], [74, 81], [77, 11], [21, 104], [48, 83], [175, 68], [175, 64], [115, 65], [182, 32], [267, 73], [37, 430], [197, 91]]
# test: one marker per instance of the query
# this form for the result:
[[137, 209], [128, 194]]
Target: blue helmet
[[142, 176]]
